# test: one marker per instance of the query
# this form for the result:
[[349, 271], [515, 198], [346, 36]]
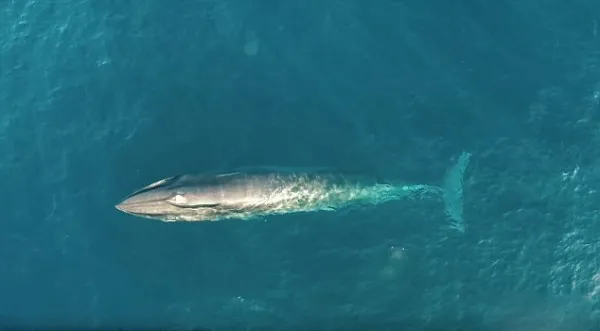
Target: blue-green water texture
[[99, 98]]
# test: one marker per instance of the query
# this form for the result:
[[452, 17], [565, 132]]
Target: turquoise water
[[98, 98]]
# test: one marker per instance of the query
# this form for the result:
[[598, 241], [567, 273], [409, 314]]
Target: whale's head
[[177, 198]]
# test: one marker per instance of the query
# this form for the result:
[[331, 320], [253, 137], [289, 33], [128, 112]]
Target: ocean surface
[[99, 98]]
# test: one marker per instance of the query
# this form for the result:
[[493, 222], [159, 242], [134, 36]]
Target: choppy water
[[100, 97]]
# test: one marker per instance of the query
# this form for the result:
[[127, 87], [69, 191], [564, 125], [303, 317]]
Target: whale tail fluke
[[453, 192]]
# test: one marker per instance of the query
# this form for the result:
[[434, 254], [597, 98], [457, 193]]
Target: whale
[[259, 192]]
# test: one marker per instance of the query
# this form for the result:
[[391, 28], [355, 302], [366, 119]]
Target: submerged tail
[[453, 192]]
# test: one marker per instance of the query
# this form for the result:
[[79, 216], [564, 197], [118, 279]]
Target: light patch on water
[[252, 45], [396, 263], [245, 306], [225, 20], [103, 61]]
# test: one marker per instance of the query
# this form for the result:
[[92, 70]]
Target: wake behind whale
[[251, 193]]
